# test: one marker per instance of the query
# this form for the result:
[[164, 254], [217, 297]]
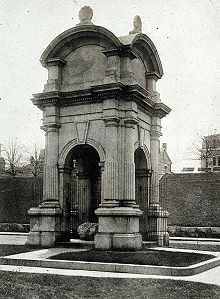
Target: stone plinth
[[118, 229], [45, 225], [157, 230]]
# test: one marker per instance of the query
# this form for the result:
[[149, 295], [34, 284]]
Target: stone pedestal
[[118, 229], [45, 225], [158, 225]]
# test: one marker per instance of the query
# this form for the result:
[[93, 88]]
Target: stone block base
[[45, 226], [43, 239], [125, 242], [157, 230], [118, 229]]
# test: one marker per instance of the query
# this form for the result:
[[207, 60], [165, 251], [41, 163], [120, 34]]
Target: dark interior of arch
[[140, 159], [86, 159], [142, 189]]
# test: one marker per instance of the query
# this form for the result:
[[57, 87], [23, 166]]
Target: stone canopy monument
[[102, 118]]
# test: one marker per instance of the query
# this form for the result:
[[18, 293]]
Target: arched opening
[[83, 190], [142, 185]]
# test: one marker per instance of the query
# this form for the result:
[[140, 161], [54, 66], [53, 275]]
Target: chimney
[[164, 146]]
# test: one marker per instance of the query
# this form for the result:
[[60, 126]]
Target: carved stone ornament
[[137, 25], [85, 16]]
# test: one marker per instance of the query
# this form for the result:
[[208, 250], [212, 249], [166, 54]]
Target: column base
[[118, 229], [157, 230], [45, 225]]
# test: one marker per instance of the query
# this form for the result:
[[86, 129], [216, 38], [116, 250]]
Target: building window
[[165, 169], [214, 161]]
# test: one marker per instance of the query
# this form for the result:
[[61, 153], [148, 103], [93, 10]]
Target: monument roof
[[86, 33]]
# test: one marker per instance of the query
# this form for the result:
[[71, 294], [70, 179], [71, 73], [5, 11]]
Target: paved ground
[[211, 276], [13, 238]]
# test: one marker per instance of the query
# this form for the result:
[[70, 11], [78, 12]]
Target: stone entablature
[[101, 96]]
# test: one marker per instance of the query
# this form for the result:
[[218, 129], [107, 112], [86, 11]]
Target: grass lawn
[[14, 249], [147, 257], [23, 285]]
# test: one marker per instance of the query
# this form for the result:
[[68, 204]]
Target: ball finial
[[85, 15], [137, 25]]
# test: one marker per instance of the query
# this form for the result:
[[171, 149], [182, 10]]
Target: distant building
[[210, 154], [165, 162], [187, 169]]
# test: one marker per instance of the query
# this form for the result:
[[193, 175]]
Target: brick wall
[[191, 199], [17, 196]]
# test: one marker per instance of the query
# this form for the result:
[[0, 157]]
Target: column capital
[[155, 134], [111, 121], [130, 122], [102, 165], [52, 127], [152, 75], [53, 62]]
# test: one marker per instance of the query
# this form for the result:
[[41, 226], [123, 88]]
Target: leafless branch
[[14, 157]]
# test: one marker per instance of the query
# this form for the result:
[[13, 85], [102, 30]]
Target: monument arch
[[100, 101], [71, 144], [142, 187], [80, 187]]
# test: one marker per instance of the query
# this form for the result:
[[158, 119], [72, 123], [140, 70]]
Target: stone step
[[149, 244], [76, 243]]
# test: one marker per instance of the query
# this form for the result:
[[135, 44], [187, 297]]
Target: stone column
[[111, 168], [155, 147], [157, 215], [129, 166], [151, 80], [119, 217], [51, 184], [45, 224]]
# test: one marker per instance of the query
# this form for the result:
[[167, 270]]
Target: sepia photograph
[[110, 149]]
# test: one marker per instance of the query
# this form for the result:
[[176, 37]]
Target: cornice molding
[[124, 51], [152, 75], [53, 62], [99, 93]]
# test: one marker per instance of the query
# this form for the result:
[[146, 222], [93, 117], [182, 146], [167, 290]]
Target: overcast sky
[[186, 34]]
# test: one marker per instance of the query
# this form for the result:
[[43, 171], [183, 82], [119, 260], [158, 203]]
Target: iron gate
[[142, 199], [84, 200]]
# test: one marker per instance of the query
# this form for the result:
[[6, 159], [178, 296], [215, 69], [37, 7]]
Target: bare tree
[[14, 157], [36, 160]]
